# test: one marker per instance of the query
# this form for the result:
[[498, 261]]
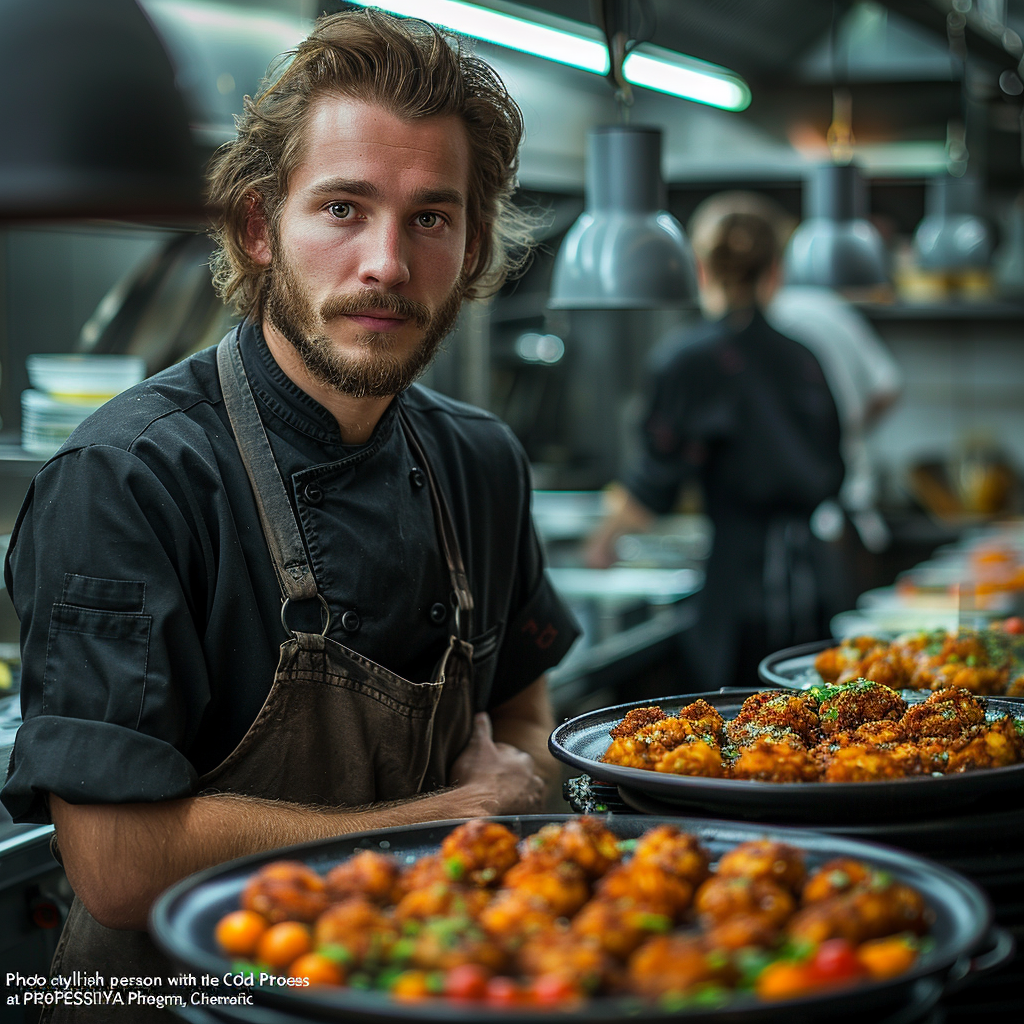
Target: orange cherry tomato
[[411, 986], [466, 982], [317, 969], [238, 933], [282, 943], [786, 980]]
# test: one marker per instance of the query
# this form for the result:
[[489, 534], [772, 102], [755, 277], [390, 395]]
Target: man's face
[[367, 266]]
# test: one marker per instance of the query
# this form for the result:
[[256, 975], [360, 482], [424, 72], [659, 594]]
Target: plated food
[[573, 912], [862, 731], [986, 661]]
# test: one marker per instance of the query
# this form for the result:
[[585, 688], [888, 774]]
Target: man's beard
[[381, 372]]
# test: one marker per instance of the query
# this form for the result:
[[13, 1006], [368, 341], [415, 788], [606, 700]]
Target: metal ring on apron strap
[[323, 605]]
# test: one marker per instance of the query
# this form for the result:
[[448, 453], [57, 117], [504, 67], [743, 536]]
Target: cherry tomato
[[502, 991], [467, 981], [1014, 624], [553, 990], [836, 962], [785, 979]]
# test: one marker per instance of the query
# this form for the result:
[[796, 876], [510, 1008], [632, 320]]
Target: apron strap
[[277, 517], [446, 530]]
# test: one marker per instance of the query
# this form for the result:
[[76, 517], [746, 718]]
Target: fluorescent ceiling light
[[579, 46]]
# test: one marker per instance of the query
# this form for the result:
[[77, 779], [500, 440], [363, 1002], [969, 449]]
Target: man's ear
[[257, 232], [472, 252]]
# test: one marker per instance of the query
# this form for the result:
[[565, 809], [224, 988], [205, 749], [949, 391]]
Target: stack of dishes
[[65, 390]]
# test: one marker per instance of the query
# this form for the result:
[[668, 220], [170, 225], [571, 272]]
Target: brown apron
[[336, 729]]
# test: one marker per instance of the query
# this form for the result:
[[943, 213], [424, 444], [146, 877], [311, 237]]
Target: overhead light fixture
[[578, 45], [104, 132], [836, 246], [952, 236], [626, 251]]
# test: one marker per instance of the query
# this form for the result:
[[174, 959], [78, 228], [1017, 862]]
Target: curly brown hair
[[413, 71]]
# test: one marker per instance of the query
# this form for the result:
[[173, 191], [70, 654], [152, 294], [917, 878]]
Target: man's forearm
[[120, 857]]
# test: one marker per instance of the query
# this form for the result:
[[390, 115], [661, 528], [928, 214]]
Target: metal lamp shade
[[92, 124], [836, 246], [625, 251], [951, 236]]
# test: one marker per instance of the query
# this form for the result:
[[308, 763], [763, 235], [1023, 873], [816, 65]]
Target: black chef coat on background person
[[748, 413], [150, 613]]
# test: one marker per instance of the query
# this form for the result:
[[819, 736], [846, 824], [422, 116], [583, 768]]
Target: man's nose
[[385, 262]]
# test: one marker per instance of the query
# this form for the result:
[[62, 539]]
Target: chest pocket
[[485, 662], [97, 651]]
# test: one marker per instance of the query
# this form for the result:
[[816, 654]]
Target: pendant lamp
[[836, 246], [952, 236], [92, 124], [626, 251]]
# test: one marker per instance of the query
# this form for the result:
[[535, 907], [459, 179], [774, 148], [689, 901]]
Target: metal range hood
[[626, 251], [92, 124]]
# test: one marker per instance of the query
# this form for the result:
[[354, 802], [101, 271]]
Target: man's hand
[[501, 777]]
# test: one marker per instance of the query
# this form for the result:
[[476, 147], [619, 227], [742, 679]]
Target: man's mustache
[[368, 301]]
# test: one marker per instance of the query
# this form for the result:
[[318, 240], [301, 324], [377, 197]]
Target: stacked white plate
[[65, 390]]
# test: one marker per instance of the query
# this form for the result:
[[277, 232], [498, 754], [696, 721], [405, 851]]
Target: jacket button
[[313, 493], [438, 613], [416, 477], [350, 621]]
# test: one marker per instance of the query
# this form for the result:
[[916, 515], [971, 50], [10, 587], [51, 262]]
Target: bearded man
[[278, 592]]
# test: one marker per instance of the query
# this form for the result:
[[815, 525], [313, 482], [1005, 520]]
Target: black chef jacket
[[746, 412], [150, 612]]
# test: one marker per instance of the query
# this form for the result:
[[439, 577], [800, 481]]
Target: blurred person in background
[[746, 412]]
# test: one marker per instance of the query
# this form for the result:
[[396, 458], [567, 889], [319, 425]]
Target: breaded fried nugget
[[742, 931], [861, 763], [442, 899], [636, 719], [563, 955], [444, 943], [286, 890], [479, 852], [700, 756], [946, 713], [833, 878], [562, 885], [367, 873], [775, 762], [720, 898], [774, 716], [867, 911], [583, 840], [675, 965], [705, 718], [762, 858], [617, 927], [643, 884], [677, 853], [359, 926], [996, 745], [844, 709]]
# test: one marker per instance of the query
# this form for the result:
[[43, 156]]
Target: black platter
[[183, 920], [581, 741]]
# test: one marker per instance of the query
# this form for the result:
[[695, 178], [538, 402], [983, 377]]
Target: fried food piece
[[584, 841], [833, 878], [721, 898], [775, 762], [831, 663], [761, 858], [861, 763], [444, 943], [705, 718], [844, 709], [421, 874], [676, 965], [479, 852], [946, 713], [367, 873], [643, 884], [442, 899], [636, 719], [564, 955], [998, 745], [285, 890], [1016, 687], [629, 752], [677, 853], [562, 885], [741, 931], [358, 926], [775, 716], [649, 744], [868, 911], [700, 757], [617, 927], [514, 915]]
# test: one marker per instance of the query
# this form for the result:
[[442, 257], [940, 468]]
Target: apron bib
[[336, 729]]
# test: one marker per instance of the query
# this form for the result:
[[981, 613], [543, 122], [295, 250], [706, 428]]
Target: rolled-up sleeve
[[95, 569]]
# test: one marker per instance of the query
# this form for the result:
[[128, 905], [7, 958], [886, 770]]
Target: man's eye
[[428, 220], [339, 210]]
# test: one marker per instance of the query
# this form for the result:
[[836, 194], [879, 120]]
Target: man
[[275, 593]]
